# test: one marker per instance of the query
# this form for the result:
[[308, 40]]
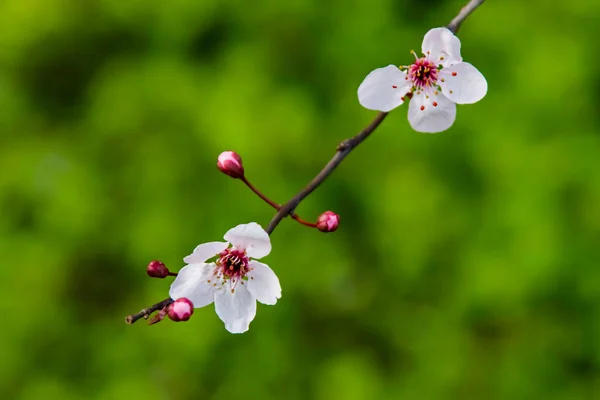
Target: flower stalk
[[275, 205]]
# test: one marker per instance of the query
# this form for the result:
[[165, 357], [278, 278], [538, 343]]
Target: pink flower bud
[[157, 269], [230, 163], [328, 221], [181, 310]]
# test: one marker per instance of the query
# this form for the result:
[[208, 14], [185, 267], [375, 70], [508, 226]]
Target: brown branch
[[342, 151], [454, 25], [145, 313], [275, 205], [349, 144]]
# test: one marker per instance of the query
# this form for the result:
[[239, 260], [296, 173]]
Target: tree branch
[[145, 313], [349, 144], [342, 151], [454, 25], [275, 205]]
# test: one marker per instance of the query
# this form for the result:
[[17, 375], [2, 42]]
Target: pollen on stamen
[[443, 80], [422, 108], [232, 290], [454, 74], [436, 93], [450, 91], [426, 96], [441, 57]]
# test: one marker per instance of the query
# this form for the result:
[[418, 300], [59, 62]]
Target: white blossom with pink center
[[234, 281], [434, 83]]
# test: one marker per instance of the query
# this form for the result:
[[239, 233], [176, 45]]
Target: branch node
[[344, 145]]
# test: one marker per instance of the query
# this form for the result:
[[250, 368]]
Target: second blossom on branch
[[235, 281]]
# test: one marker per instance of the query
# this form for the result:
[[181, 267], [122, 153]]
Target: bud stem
[[275, 205], [172, 273], [303, 222], [259, 194]]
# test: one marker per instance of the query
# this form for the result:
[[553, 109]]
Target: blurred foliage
[[467, 262]]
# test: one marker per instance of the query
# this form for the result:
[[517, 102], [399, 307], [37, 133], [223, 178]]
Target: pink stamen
[[232, 265], [423, 73]]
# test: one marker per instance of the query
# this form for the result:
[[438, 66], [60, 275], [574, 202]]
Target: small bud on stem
[[157, 269], [180, 310], [230, 163], [328, 221]]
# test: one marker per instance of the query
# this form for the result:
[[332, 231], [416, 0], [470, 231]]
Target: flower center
[[232, 263], [423, 73]]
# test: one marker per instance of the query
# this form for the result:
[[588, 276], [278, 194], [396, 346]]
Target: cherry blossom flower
[[434, 83], [234, 281]]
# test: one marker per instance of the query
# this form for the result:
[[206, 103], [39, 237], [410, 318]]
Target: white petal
[[192, 282], [425, 117], [263, 284], [250, 237], [205, 251], [383, 89], [467, 86], [236, 309], [442, 47]]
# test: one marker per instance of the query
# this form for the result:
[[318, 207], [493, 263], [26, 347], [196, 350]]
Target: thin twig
[[145, 313], [260, 194], [275, 205], [348, 145], [303, 222], [342, 151], [454, 25]]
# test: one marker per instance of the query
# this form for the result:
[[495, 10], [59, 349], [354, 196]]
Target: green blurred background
[[466, 265]]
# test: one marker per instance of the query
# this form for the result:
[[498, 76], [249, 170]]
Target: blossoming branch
[[228, 273]]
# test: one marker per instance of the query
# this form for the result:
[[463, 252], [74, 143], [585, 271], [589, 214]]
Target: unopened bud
[[157, 269], [328, 221], [230, 163], [181, 310]]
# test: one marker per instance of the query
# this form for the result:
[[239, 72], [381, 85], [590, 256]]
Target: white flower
[[234, 282], [436, 82]]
